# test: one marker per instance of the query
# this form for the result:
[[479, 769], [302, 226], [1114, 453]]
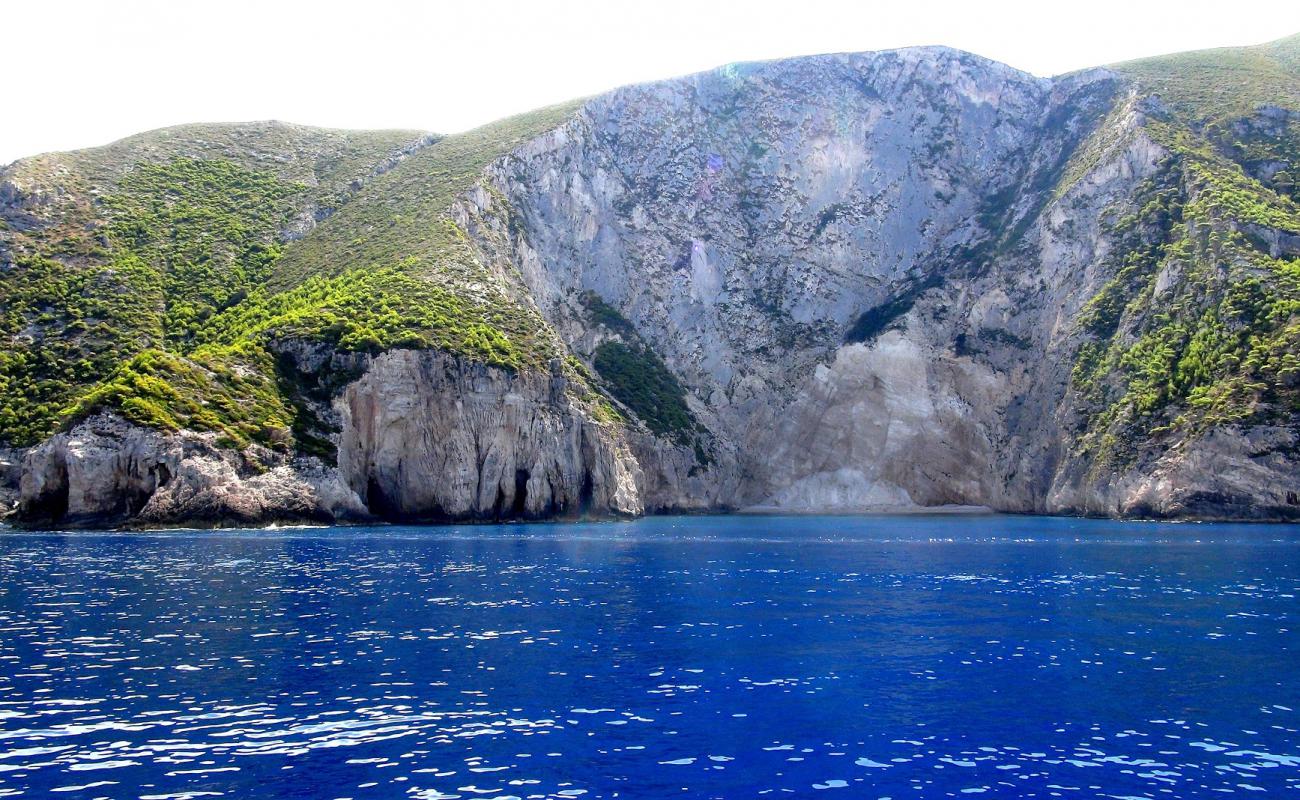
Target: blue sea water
[[728, 657]]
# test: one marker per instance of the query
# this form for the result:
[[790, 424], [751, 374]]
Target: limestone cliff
[[878, 291], [106, 471], [422, 436], [845, 282], [499, 446]]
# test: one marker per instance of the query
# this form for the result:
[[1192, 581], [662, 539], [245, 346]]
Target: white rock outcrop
[[430, 436], [107, 471]]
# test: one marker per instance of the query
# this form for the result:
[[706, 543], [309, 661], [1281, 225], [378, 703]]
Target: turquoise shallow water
[[901, 657]]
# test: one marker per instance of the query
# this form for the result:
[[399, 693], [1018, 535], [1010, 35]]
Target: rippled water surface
[[900, 657]]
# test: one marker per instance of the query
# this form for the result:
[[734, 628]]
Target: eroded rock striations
[[850, 282], [106, 470], [500, 445]]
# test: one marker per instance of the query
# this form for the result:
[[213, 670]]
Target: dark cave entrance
[[51, 505], [586, 493], [519, 508], [377, 501]]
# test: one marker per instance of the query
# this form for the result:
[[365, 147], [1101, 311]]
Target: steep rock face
[[423, 435], [11, 475], [891, 424], [870, 273], [749, 220], [1226, 474], [428, 436], [107, 471]]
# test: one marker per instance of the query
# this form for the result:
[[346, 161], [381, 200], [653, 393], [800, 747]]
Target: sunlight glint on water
[[701, 657]]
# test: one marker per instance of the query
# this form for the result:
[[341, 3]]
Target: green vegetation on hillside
[[637, 377], [207, 228], [379, 309], [153, 275], [400, 217], [601, 313], [175, 241], [1200, 325], [640, 380], [230, 390], [65, 328]]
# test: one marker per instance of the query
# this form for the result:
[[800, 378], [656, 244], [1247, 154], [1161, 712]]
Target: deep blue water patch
[[728, 657]]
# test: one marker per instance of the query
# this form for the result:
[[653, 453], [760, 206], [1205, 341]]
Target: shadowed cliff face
[[847, 282]]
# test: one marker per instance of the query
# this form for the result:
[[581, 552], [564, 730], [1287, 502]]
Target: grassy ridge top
[[326, 160], [1211, 85], [398, 216]]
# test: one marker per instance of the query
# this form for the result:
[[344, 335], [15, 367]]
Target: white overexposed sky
[[83, 73]]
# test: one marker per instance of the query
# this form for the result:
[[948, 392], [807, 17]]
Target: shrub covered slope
[[148, 277], [1200, 324]]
